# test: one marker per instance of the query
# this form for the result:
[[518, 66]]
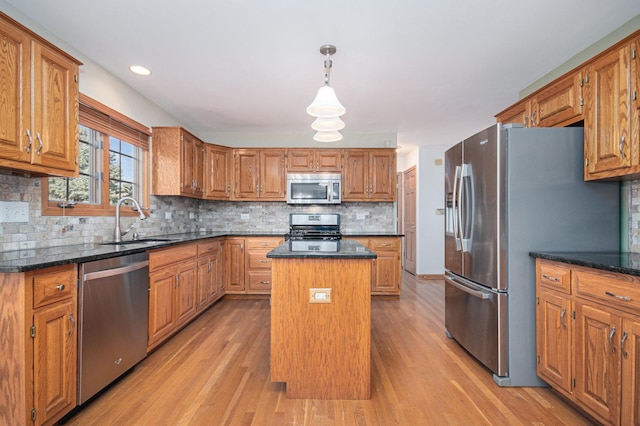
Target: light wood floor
[[216, 371]]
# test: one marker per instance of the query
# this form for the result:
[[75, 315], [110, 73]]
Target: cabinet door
[[222, 270], [204, 282], [214, 285], [300, 161], [630, 351], [247, 173], [235, 265], [559, 104], [186, 294], [198, 168], [328, 160], [382, 175], [597, 363], [55, 109], [553, 339], [217, 176], [606, 115], [187, 146], [355, 175], [54, 360], [519, 113], [162, 320], [272, 174], [386, 270], [15, 94]]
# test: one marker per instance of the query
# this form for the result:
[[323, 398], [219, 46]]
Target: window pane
[[124, 172]]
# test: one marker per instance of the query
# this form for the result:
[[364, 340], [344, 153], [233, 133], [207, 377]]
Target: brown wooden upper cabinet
[[178, 162], [369, 175], [608, 144], [314, 160], [217, 176], [259, 174], [556, 105], [39, 94]]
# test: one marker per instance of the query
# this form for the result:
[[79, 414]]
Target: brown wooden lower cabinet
[[387, 268], [38, 359], [248, 269], [210, 268], [172, 291], [588, 339]]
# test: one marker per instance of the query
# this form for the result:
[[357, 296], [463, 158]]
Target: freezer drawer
[[476, 318]]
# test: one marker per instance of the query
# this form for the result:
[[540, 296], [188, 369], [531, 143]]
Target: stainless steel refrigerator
[[509, 191]]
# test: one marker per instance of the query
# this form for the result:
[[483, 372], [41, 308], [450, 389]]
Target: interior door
[[409, 200]]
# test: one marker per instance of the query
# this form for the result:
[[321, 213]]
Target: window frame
[[108, 122]]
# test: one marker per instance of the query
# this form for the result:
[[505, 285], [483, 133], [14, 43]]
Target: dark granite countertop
[[33, 259], [347, 249], [371, 234], [622, 262]]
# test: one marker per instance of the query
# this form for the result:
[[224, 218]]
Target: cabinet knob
[[60, 287]]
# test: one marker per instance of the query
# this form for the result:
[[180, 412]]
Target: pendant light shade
[[327, 136], [322, 124], [326, 104]]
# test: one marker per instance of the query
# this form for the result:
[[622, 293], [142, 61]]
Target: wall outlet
[[361, 216], [244, 216], [14, 211], [167, 215], [319, 295]]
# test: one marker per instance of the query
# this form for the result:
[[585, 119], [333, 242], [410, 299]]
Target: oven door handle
[[475, 293]]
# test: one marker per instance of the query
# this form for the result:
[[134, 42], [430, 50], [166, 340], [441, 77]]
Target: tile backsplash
[[168, 215]]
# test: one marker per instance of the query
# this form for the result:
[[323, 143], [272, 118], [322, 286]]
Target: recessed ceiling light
[[140, 70]]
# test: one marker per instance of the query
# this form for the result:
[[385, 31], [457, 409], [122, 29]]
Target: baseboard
[[430, 276]]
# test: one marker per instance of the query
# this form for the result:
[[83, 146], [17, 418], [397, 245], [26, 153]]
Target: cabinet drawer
[[208, 247], [163, 257], [56, 284], [258, 260], [554, 275], [259, 281], [263, 243], [384, 244], [619, 290]]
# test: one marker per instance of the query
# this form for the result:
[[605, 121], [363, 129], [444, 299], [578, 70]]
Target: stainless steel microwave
[[314, 188]]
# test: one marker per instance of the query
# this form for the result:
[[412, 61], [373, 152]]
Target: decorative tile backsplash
[[170, 215]]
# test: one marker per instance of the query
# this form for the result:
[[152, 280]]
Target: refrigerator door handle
[[456, 209], [466, 230], [475, 293]]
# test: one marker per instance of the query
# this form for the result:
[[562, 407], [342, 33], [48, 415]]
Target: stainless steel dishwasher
[[112, 311]]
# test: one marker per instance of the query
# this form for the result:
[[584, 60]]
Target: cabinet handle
[[550, 278], [625, 298], [265, 282], [385, 245], [562, 314], [28, 148], [265, 261], [39, 140], [621, 146], [60, 287], [622, 341], [73, 324], [533, 118], [613, 332]]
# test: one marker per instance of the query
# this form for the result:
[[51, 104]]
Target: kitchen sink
[[149, 240]]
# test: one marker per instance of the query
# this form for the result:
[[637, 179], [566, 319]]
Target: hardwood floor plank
[[216, 372]]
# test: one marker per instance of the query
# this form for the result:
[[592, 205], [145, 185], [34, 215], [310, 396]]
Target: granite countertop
[[622, 262], [33, 259], [347, 249]]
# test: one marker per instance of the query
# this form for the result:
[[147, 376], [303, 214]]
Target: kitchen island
[[321, 321]]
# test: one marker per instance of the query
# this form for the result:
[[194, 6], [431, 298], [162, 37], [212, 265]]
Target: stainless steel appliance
[[113, 310], [314, 188], [509, 191], [314, 232]]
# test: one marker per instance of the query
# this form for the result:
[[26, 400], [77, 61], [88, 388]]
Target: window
[[113, 157]]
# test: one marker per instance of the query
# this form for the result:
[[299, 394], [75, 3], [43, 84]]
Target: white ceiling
[[430, 71]]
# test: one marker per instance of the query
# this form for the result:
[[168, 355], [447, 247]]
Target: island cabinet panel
[[38, 354], [39, 94], [589, 331], [321, 350]]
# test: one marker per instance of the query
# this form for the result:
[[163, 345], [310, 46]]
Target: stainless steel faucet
[[117, 235]]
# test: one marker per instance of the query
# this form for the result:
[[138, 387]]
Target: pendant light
[[325, 106]]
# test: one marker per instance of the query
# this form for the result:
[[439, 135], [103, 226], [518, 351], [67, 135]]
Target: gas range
[[314, 232]]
